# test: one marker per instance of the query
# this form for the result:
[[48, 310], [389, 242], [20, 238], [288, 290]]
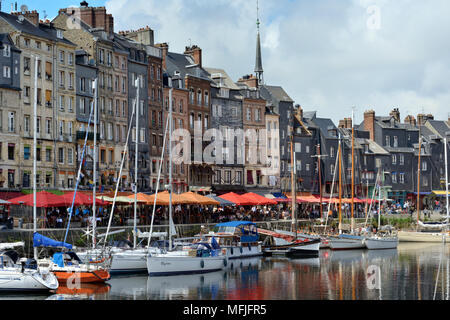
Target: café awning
[[258, 200], [237, 199], [44, 199]]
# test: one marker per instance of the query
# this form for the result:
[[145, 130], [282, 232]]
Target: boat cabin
[[231, 233]]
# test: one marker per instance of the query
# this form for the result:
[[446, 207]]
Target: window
[[424, 166], [332, 169], [402, 178], [394, 178], [11, 122], [307, 149], [227, 177], [388, 141], [299, 165], [11, 147], [26, 152], [70, 59], [70, 106], [61, 129], [61, 56], [110, 131], [191, 120], [26, 124], [402, 159], [249, 114], [298, 147], [206, 98], [69, 155], [26, 66], [6, 72], [181, 106], [48, 98], [48, 155], [48, 126], [217, 178], [332, 152], [6, 50], [38, 125], [102, 130], [395, 142], [61, 155], [394, 159], [199, 97], [238, 177], [83, 106], [61, 79], [206, 122], [257, 115], [142, 135], [191, 96], [307, 167]]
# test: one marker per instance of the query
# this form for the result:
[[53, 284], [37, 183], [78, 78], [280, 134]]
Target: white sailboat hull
[[413, 236], [346, 244], [176, 263], [12, 279], [377, 243]]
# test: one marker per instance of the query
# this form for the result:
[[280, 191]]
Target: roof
[[278, 93], [25, 26], [324, 125], [235, 224], [226, 79], [184, 65], [437, 127]]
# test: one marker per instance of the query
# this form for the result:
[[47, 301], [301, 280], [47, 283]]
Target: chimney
[[410, 120], [95, 17], [369, 123], [32, 16], [395, 114], [196, 54], [299, 111], [349, 123], [250, 80], [342, 124], [164, 51]]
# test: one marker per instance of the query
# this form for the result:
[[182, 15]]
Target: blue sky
[[328, 55]]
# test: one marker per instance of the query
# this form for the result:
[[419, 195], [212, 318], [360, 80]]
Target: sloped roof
[[185, 65], [226, 79], [438, 127], [278, 93], [27, 27]]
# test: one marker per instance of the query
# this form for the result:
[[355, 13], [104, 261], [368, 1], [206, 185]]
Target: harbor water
[[415, 271]]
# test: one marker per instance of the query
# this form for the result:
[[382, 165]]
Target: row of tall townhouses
[[55, 102], [259, 124]]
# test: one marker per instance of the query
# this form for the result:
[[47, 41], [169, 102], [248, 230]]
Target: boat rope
[[119, 179], [79, 172]]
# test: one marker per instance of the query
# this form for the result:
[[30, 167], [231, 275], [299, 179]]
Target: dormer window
[[59, 34]]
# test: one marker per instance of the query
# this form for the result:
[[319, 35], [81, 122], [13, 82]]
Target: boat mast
[[136, 158], [446, 178], [418, 179], [170, 163], [340, 184], [320, 180], [94, 169], [379, 202], [353, 170], [293, 184], [35, 252]]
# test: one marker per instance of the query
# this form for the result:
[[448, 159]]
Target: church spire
[[258, 64]]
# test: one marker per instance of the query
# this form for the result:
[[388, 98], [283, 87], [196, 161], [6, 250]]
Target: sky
[[330, 56]]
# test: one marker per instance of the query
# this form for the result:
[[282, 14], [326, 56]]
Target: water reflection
[[412, 272]]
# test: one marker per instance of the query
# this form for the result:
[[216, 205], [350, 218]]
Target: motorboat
[[238, 239], [298, 247], [381, 242], [347, 242], [23, 275], [200, 258]]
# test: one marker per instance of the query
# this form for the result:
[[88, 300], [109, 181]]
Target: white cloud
[[320, 51]]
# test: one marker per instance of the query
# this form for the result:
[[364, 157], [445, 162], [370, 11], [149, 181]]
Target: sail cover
[[40, 241]]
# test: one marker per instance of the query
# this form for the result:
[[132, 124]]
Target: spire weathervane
[[258, 64]]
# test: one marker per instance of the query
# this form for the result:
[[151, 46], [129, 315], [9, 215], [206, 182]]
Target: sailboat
[[65, 264], [123, 260], [290, 243], [23, 275], [426, 235], [201, 257], [346, 241], [381, 241]]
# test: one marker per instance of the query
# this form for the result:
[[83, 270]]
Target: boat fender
[[202, 264], [232, 251], [225, 262], [249, 247], [242, 250]]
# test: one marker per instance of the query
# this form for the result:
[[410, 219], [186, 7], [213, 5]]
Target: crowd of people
[[184, 214]]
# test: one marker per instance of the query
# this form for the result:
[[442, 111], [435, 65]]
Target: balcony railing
[[81, 135]]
